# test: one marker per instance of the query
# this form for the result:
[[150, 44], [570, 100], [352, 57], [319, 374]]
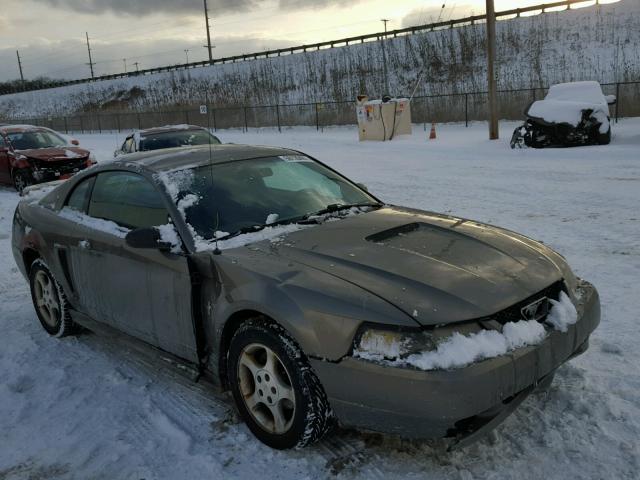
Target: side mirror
[[146, 238], [363, 186], [75, 142], [611, 99]]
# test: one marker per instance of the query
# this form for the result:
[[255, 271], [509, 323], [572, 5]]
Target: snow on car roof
[[586, 91], [20, 128], [169, 128]]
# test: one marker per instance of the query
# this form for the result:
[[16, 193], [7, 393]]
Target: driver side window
[[127, 199]]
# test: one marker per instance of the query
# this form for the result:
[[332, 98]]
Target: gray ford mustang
[[309, 299]]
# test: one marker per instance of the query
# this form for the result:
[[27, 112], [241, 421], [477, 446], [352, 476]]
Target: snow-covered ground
[[86, 408]]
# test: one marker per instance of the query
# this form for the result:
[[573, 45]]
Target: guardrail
[[470, 20]]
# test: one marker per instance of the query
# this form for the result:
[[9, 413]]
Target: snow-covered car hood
[[435, 268]]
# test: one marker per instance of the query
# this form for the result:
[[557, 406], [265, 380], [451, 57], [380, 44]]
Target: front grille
[[62, 166], [514, 314]]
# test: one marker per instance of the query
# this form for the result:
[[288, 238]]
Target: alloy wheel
[[47, 299], [266, 388]]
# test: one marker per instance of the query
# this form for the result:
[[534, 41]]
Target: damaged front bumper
[[459, 403]]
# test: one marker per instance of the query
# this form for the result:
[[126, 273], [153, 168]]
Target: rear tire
[[275, 390], [22, 178], [49, 301]]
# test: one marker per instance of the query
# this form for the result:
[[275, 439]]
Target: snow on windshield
[[181, 186]]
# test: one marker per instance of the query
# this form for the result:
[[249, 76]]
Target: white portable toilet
[[383, 119]]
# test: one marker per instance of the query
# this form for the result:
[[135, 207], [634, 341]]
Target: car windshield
[[239, 195], [35, 139], [176, 138]]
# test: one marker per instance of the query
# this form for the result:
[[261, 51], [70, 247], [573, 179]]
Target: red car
[[31, 155]]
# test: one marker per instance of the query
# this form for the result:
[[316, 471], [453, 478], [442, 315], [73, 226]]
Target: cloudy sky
[[50, 34]]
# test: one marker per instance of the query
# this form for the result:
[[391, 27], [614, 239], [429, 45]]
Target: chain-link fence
[[454, 107]]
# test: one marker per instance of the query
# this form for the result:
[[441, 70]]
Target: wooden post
[[491, 76]]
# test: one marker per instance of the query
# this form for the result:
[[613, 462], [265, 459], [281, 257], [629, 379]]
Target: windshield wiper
[[334, 207]]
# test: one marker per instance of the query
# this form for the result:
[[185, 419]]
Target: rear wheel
[[49, 301], [275, 390], [22, 178]]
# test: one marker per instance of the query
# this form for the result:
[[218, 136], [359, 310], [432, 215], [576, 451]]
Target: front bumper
[[45, 172], [440, 403]]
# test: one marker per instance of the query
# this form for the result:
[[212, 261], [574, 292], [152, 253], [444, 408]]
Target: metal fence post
[[81, 126], [66, 126], [246, 126], [139, 124], [278, 116], [213, 111], [118, 122], [186, 116], [466, 109], [617, 100], [99, 125], [317, 117]]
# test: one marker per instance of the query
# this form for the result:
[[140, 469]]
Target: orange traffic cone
[[432, 134]]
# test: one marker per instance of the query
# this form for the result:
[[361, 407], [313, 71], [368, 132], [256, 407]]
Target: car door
[[5, 172], [144, 293]]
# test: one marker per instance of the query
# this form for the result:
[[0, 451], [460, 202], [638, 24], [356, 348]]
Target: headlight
[[373, 344], [92, 159]]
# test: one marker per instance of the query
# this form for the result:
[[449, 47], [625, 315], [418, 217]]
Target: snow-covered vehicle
[[571, 114]]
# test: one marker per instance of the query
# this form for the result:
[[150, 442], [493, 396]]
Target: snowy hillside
[[84, 407], [600, 43]]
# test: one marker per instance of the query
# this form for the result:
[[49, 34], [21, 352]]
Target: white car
[[571, 114]]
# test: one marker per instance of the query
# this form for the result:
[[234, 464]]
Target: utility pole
[[186, 52], [206, 18], [384, 59], [491, 75], [124, 60], [89, 50], [136, 64], [20, 65]]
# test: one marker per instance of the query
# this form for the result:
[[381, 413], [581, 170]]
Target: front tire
[[22, 178], [49, 301], [604, 138], [275, 390]]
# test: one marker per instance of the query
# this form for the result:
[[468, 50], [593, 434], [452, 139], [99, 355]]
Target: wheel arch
[[231, 326], [29, 255]]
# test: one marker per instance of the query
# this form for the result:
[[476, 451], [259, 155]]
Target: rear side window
[[127, 199], [79, 198]]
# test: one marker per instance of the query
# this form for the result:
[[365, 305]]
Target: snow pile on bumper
[[459, 350]]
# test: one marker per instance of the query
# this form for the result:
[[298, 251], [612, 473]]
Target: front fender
[[320, 311]]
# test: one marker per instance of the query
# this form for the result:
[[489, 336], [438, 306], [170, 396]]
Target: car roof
[[8, 128], [168, 128], [199, 155]]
